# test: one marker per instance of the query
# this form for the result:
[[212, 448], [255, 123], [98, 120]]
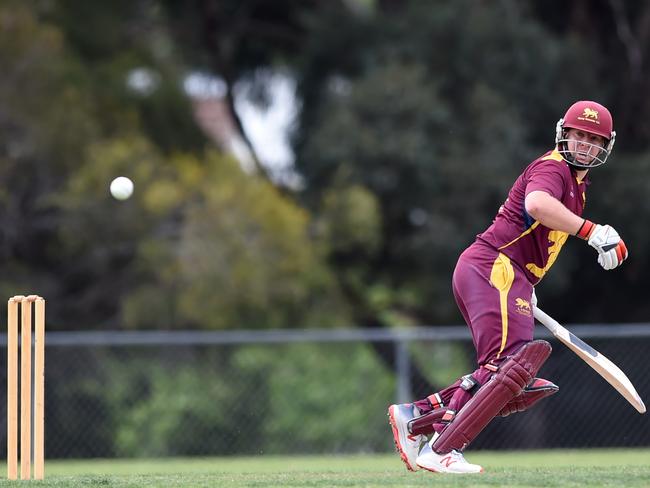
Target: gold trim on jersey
[[502, 276], [555, 155], [525, 233], [557, 240]]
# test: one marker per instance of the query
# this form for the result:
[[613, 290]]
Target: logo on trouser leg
[[523, 307]]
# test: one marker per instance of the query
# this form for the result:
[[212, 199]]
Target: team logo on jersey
[[522, 306]]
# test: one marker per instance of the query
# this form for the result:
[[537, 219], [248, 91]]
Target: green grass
[[560, 468]]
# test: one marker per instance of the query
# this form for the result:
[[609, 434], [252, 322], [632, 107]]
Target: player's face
[[584, 146]]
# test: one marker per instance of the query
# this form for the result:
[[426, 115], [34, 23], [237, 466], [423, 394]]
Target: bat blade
[[603, 366]]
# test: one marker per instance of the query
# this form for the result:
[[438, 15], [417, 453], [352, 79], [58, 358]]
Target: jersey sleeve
[[549, 177]]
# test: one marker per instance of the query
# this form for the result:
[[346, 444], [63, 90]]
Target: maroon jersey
[[516, 234]]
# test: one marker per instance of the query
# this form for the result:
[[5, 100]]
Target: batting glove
[[604, 239]]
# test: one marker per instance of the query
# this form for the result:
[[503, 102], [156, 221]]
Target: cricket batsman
[[493, 284]]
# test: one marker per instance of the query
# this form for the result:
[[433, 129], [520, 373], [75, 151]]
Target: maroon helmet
[[590, 117]]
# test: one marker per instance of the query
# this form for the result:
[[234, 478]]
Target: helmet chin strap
[[578, 167]]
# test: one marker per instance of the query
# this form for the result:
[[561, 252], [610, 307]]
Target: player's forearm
[[551, 213]]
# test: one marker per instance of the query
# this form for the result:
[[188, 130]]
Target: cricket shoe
[[407, 444], [453, 462]]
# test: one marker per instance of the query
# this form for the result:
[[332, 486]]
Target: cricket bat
[[603, 366]]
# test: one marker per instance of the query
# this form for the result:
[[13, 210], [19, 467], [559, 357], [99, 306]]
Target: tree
[[104, 263], [394, 113]]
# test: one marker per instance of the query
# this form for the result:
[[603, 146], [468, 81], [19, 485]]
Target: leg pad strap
[[424, 424]]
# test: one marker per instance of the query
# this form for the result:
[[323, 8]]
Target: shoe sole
[[431, 470], [398, 445]]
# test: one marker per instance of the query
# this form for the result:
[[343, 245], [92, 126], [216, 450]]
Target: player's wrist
[[586, 229]]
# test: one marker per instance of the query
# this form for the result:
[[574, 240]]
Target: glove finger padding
[[607, 260], [614, 257], [604, 238]]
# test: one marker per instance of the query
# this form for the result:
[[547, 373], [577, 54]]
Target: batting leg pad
[[507, 383], [539, 388]]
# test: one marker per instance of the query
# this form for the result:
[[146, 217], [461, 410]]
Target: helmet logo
[[590, 114]]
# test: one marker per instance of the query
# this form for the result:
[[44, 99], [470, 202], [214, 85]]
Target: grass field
[[561, 468]]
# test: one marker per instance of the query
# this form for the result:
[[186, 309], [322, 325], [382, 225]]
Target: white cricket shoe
[[407, 444], [453, 462]]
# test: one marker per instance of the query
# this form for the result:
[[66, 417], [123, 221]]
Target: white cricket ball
[[121, 188]]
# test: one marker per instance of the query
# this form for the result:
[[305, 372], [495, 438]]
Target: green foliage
[[313, 386], [114, 43], [200, 243], [182, 404], [84, 388], [414, 119], [443, 362], [242, 255], [44, 116], [351, 221], [246, 400], [213, 247], [260, 261], [391, 139]]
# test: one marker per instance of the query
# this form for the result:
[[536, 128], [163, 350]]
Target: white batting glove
[[604, 239], [533, 299]]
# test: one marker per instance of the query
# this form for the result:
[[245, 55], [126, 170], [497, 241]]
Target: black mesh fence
[[180, 398], [587, 411]]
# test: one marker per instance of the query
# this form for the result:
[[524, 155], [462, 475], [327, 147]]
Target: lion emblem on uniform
[[522, 306]]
